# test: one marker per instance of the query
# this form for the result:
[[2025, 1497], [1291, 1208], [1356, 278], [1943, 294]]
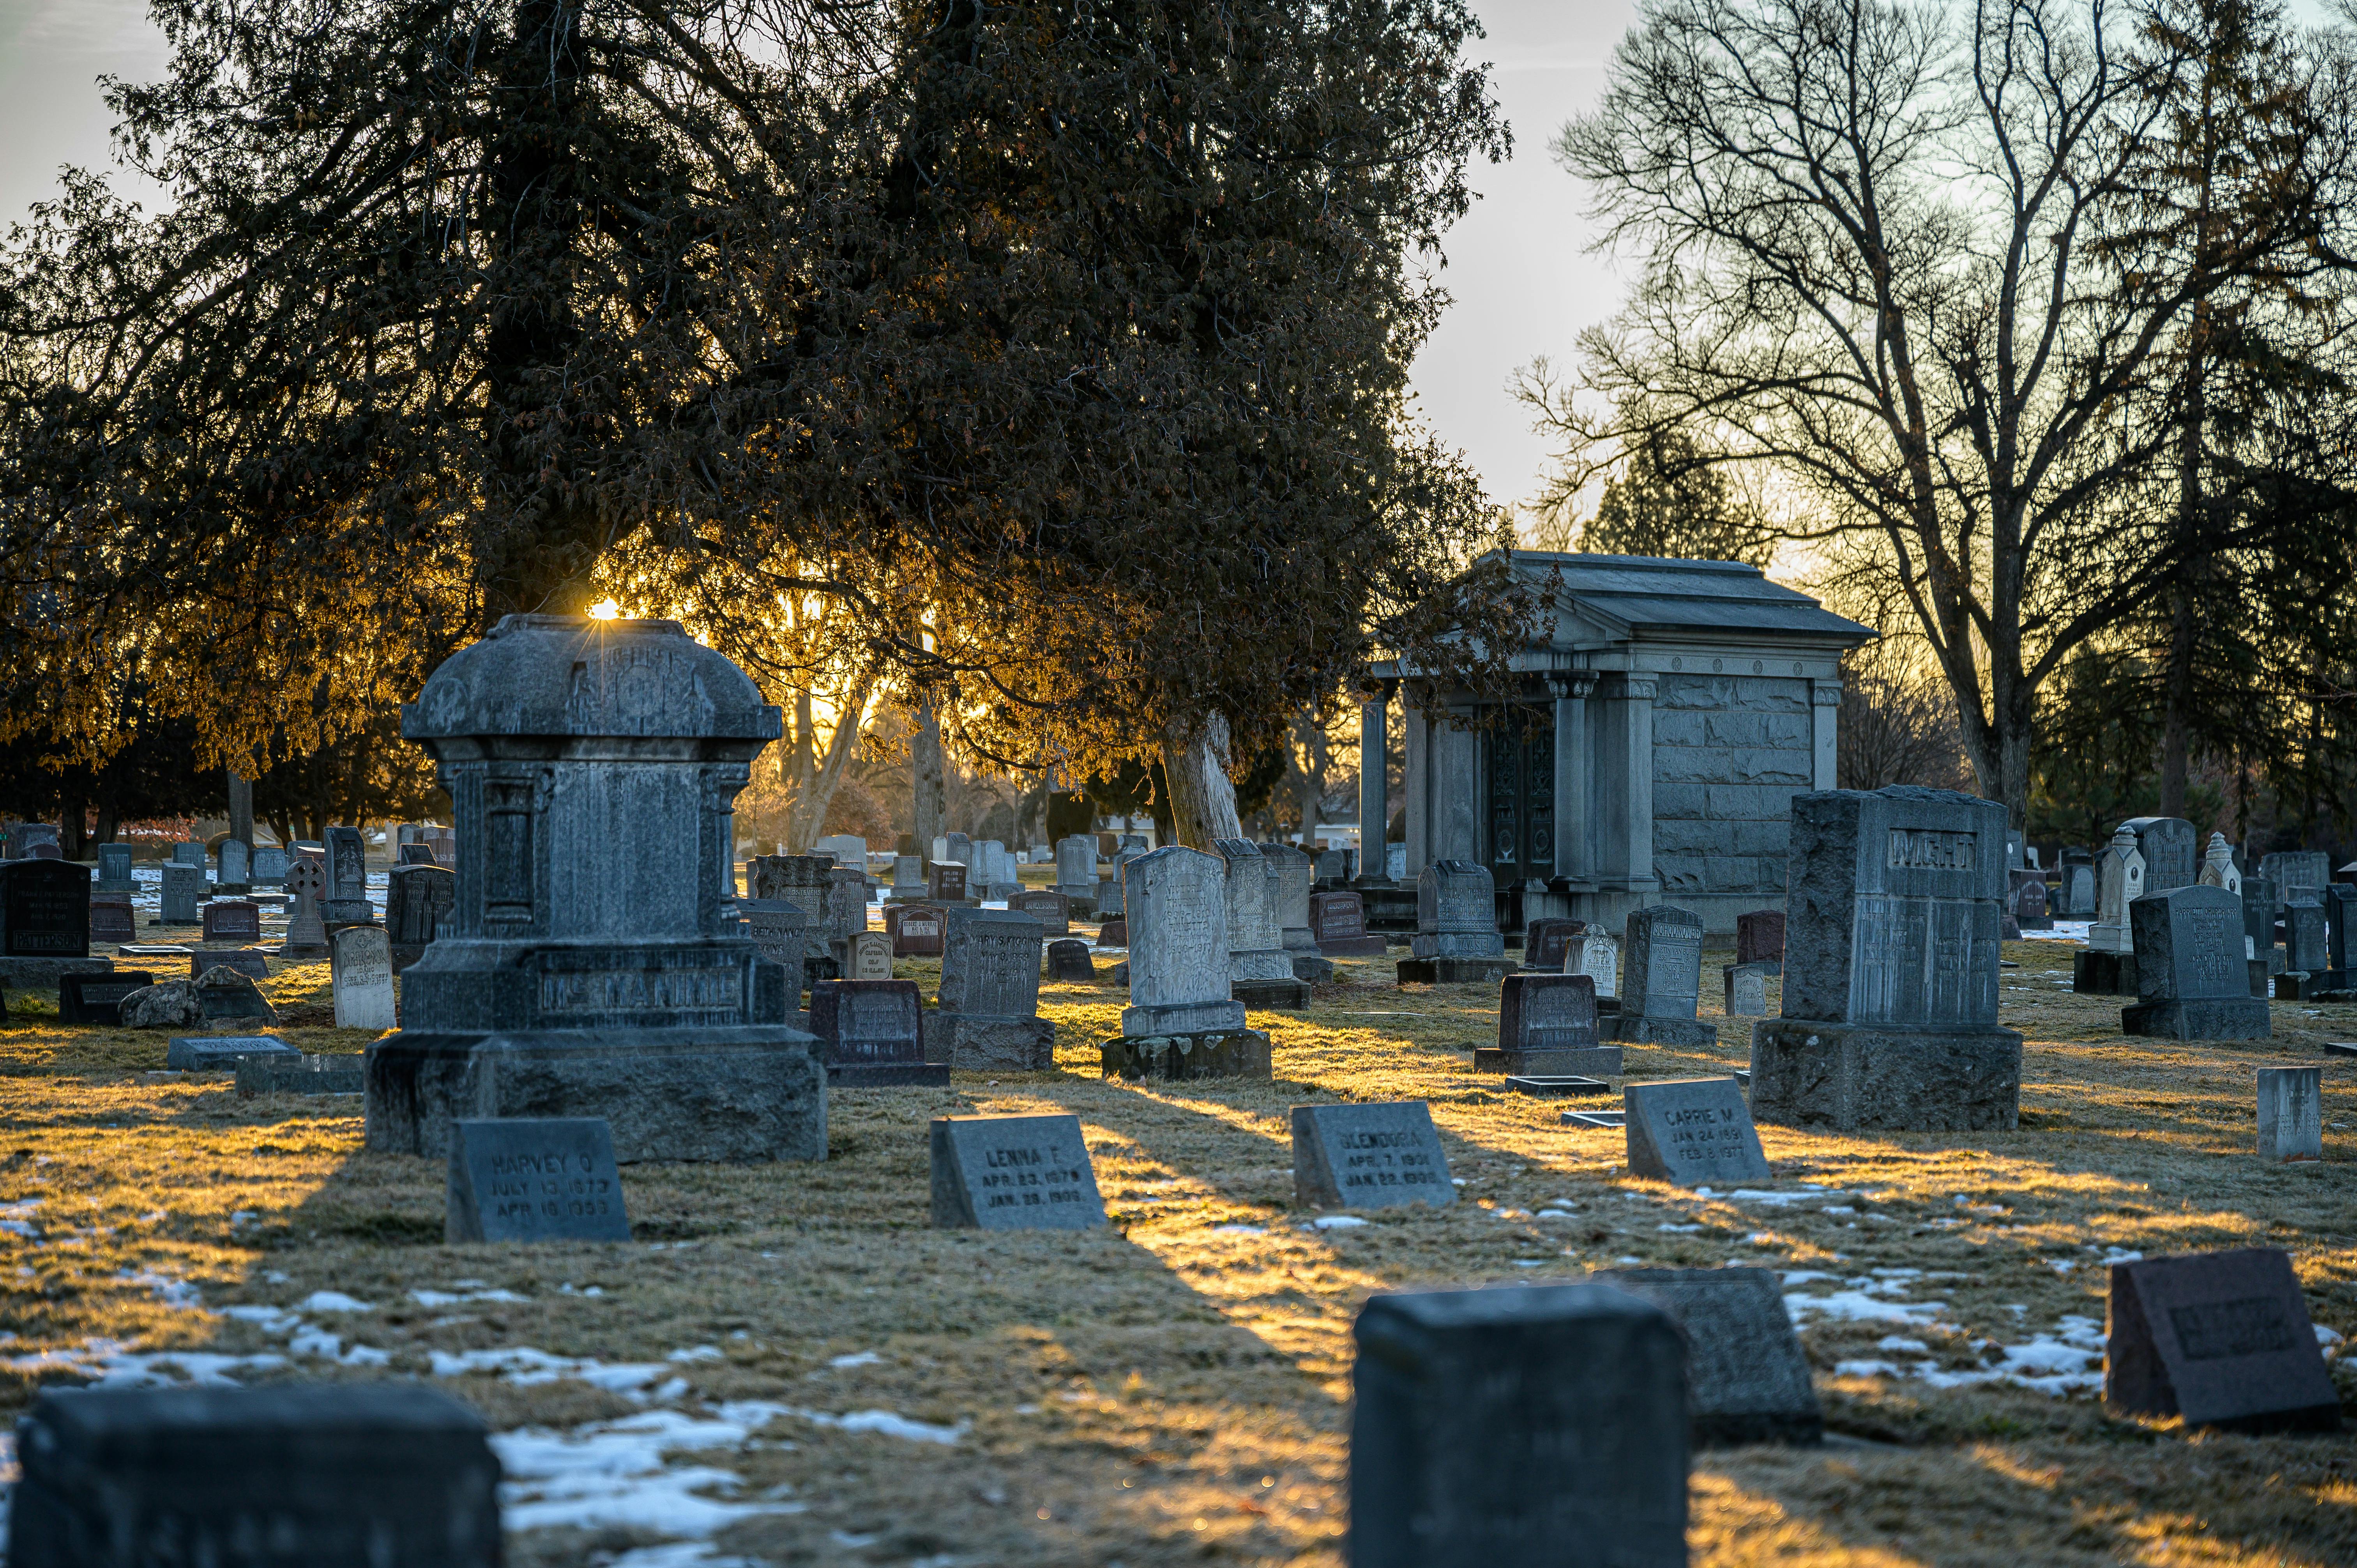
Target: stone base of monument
[[736, 1092], [2200, 1018], [41, 973], [1455, 970], [1869, 1076], [1631, 1029], [976, 1042], [2095, 973], [1313, 967], [1291, 996], [1224, 1053], [2294, 985], [1582, 1061], [1354, 947]]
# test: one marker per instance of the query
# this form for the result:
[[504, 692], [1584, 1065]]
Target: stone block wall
[[1729, 752]]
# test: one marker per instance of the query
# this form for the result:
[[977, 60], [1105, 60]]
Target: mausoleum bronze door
[[1520, 767]]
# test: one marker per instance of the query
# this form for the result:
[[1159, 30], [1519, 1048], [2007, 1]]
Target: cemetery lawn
[[790, 1365]]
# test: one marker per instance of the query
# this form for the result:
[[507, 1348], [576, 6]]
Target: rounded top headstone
[[577, 676]]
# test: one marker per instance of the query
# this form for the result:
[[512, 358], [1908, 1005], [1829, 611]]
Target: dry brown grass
[[1173, 1389]]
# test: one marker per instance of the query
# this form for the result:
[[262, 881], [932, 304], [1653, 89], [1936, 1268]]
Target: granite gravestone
[[1367, 1156], [44, 910], [251, 963], [2298, 873], [1052, 910], [1550, 941], [307, 931], [846, 909], [361, 978], [802, 881], [347, 899], [183, 888], [1663, 985], [1069, 961], [234, 870], [224, 995], [1747, 990], [1457, 939], [111, 919], [220, 1053], [1288, 891], [2078, 898], [868, 956], [1746, 1379], [1760, 939], [916, 930], [2291, 1113], [591, 966], [1013, 1172], [1890, 966], [2191, 982], [533, 1178], [339, 1074], [1598, 957], [232, 921], [1260, 972], [1338, 922], [188, 851], [24, 838], [1693, 1132], [97, 998], [270, 866], [114, 869], [417, 899], [2304, 936], [383, 1475], [2223, 1339], [908, 879], [989, 1013], [2340, 937], [849, 851], [2259, 925], [1181, 1021], [1110, 896], [415, 854], [945, 883], [993, 868], [1076, 871], [1518, 1427], [2108, 967], [779, 931], [871, 1033], [2029, 911], [2171, 854], [1547, 1028]]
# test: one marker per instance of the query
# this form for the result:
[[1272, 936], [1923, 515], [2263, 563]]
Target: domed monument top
[[577, 675]]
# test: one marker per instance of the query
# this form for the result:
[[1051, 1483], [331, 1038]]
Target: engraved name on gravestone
[[1456, 912], [347, 897], [2291, 1113], [781, 931], [2171, 850], [2223, 1339], [44, 910], [183, 886], [114, 869], [2191, 981], [1367, 1156], [1658, 997], [1177, 945], [1693, 1132], [361, 978], [1748, 1380], [232, 921], [1013, 1172], [97, 998], [1518, 1427], [270, 865], [534, 1179], [220, 1053]]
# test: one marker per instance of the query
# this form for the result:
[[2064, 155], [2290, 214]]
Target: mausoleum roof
[[576, 675], [1645, 596]]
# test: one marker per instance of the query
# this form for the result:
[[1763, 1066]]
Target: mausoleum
[[1665, 720]]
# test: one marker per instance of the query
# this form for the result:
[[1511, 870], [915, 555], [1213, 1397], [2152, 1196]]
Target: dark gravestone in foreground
[[1891, 965], [96, 998], [1748, 1380], [44, 910], [1528, 1427], [2191, 981], [385, 1475], [1693, 1132], [1546, 1025], [1013, 1172], [1664, 981], [2221, 1339], [1069, 961], [871, 1033], [1367, 1156], [534, 1180]]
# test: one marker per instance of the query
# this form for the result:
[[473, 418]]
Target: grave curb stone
[[588, 1140], [1768, 1350], [2146, 1372], [338, 1074], [954, 1141], [1719, 1102], [1871, 1078], [1323, 1154], [1178, 1057]]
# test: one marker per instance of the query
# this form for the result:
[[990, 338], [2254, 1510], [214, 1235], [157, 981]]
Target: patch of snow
[[526, 1367], [447, 1298], [1779, 1199], [1802, 1276], [1838, 1209], [1338, 1222], [696, 1353], [614, 1474], [864, 1359], [107, 1364], [886, 1423], [1865, 1370], [1238, 1230], [1857, 1307], [333, 1301], [1678, 1228], [169, 1290], [1899, 1342]]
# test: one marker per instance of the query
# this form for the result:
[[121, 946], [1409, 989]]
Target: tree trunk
[[110, 822], [240, 809], [1202, 797], [1313, 775], [810, 787], [71, 834], [925, 765]]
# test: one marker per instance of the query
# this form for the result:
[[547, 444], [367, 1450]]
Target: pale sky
[[1522, 283]]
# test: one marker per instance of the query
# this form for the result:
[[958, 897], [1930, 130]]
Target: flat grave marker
[[325, 1074], [1693, 1132], [220, 1053], [1368, 1157], [2221, 1339], [534, 1179], [1013, 1172]]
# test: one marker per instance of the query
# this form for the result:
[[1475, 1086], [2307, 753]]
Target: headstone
[[533, 1178], [444, 843], [306, 931], [232, 921], [1330, 867], [780, 933], [2300, 873], [44, 910], [1747, 990], [220, 1053], [1546, 1027], [1548, 940], [593, 962], [226, 995], [1069, 961], [1260, 972], [1693, 1132], [111, 919], [848, 849], [417, 899], [871, 1033], [2291, 1113], [1760, 939], [1114, 933], [959, 847], [2029, 911], [1518, 1427], [845, 905], [1395, 862], [2218, 868], [1659, 997], [1457, 939], [916, 930], [1890, 966], [2078, 892], [2340, 936], [415, 854], [235, 872], [2122, 876], [1368, 1157], [1339, 922], [188, 851], [2259, 923], [114, 869], [908, 877], [2223, 1339], [270, 866], [1288, 891], [1746, 1379], [1052, 910], [868, 956], [945, 882], [96, 998], [989, 1015], [802, 881], [2171, 852], [1599, 959], [183, 886], [340, 1074], [2304, 934], [390, 1474], [2191, 981], [361, 978], [2014, 847], [1076, 868], [1179, 945], [1013, 1172], [252, 962], [1109, 889], [347, 897]]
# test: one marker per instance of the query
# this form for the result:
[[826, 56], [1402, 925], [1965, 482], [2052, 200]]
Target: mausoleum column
[[1573, 860], [1624, 778], [1825, 714], [1374, 790]]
